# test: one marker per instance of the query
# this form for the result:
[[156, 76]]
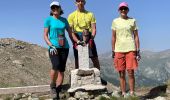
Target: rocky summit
[[25, 64]]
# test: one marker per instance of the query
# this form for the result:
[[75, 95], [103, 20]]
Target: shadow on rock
[[155, 92]]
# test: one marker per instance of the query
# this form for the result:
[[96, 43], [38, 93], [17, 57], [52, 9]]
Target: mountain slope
[[23, 64]]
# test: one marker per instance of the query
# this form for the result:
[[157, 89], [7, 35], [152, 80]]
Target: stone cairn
[[85, 81]]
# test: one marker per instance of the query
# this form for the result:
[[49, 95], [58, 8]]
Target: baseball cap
[[55, 3], [123, 4]]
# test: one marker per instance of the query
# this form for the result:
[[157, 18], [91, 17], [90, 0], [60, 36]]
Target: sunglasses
[[124, 8], [80, 1]]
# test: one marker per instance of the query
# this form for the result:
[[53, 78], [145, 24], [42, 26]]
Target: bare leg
[[122, 81], [60, 78], [131, 80], [53, 76]]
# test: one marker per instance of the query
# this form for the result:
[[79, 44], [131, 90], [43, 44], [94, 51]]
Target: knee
[[60, 73], [131, 73], [122, 74]]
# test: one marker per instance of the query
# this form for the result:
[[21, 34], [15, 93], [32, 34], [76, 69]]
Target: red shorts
[[123, 61]]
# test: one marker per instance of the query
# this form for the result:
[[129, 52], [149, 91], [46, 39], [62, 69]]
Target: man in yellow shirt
[[83, 22]]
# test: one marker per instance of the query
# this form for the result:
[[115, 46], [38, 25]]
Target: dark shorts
[[59, 60]]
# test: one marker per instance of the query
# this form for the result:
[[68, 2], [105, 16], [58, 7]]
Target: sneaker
[[59, 88], [125, 95], [132, 94], [103, 82], [53, 93]]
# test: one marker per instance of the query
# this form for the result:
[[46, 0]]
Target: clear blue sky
[[24, 19]]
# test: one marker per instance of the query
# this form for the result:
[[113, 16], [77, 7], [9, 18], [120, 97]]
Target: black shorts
[[92, 51], [59, 60]]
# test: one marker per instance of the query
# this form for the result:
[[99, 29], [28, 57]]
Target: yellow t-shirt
[[124, 34], [81, 20]]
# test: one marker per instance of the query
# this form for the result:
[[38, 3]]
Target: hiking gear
[[123, 4], [53, 50], [103, 82], [113, 54], [61, 40], [125, 95], [55, 3], [78, 42], [82, 43], [53, 90], [59, 61], [58, 90], [138, 57], [86, 35]]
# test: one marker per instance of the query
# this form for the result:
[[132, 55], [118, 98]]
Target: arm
[[93, 29], [46, 36], [136, 37], [113, 39], [113, 42], [137, 44], [75, 39], [70, 34]]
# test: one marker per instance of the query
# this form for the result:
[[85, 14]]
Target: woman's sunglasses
[[124, 8], [80, 1]]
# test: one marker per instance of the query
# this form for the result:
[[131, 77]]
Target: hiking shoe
[[53, 92], [59, 88], [103, 82], [125, 95], [133, 94]]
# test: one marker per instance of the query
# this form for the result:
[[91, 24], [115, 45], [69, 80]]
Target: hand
[[75, 45], [53, 50], [138, 57], [82, 43], [92, 37], [113, 54], [78, 42]]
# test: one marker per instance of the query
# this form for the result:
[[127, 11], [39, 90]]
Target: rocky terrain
[[26, 64]]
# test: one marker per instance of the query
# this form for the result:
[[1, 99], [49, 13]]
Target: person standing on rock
[[83, 24], [125, 47], [54, 35]]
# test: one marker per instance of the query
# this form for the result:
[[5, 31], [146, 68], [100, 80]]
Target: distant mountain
[[23, 64], [154, 68]]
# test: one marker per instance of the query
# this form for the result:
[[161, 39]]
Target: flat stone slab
[[89, 87], [27, 89]]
